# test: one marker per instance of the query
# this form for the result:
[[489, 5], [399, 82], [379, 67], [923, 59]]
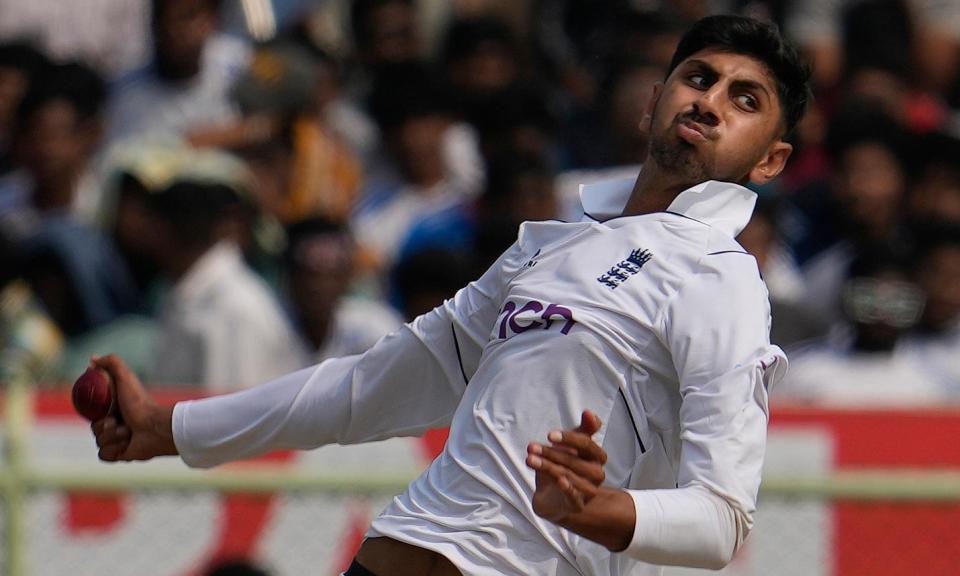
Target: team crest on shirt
[[625, 269], [532, 261]]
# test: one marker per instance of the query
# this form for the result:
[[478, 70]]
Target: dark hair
[[877, 34], [875, 259], [466, 36], [940, 149], [194, 209], [931, 236], [22, 56], [77, 84], [157, 7], [360, 11], [505, 167], [405, 91], [303, 230], [760, 40], [432, 270], [859, 122]]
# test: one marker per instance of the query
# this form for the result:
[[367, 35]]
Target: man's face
[[718, 117], [180, 32], [320, 276], [54, 147], [393, 34]]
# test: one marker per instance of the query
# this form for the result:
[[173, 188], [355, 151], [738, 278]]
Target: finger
[[589, 423], [113, 452], [584, 446], [113, 436], [99, 426], [116, 367], [537, 448], [558, 473], [592, 471]]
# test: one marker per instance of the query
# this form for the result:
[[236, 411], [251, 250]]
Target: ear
[[647, 122], [773, 162]]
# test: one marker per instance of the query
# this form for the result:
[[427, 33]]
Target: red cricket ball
[[93, 394]]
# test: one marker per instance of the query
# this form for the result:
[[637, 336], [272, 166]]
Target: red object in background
[[889, 538], [93, 394]]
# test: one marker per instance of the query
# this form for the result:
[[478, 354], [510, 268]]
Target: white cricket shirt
[[658, 323]]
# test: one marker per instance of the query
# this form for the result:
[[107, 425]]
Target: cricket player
[[642, 331]]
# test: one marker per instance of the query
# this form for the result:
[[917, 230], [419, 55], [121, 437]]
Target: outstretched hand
[[143, 429], [569, 471]]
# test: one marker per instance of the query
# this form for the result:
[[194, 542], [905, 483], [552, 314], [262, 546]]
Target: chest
[[613, 282]]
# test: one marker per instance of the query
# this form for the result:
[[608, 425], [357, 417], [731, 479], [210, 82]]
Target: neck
[[317, 329], [179, 261], [54, 194], [654, 190]]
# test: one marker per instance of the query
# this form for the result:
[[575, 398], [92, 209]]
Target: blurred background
[[225, 191]]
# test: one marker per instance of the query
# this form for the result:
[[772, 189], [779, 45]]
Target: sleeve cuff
[[646, 532], [180, 437]]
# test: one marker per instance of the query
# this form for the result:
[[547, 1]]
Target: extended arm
[[407, 383]]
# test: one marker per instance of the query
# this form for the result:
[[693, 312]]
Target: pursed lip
[[694, 131]]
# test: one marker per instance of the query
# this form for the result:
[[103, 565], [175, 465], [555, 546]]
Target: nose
[[706, 106]]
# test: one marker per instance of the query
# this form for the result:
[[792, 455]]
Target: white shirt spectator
[[658, 323], [221, 327], [143, 104]]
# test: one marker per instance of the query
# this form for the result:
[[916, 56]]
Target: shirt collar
[[722, 205]]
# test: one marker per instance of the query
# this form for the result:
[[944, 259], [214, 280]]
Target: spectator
[[77, 274], [935, 344], [385, 32], [184, 91], [610, 135], [414, 116], [857, 364], [935, 192], [57, 134], [318, 266], [388, 45], [73, 269], [818, 26], [576, 39], [520, 187], [492, 88], [19, 64], [220, 326], [862, 204], [422, 280], [304, 169]]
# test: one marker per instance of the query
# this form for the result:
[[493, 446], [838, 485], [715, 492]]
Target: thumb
[[127, 386], [589, 423]]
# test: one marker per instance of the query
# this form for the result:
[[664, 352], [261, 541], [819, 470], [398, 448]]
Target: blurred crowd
[[222, 192]]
